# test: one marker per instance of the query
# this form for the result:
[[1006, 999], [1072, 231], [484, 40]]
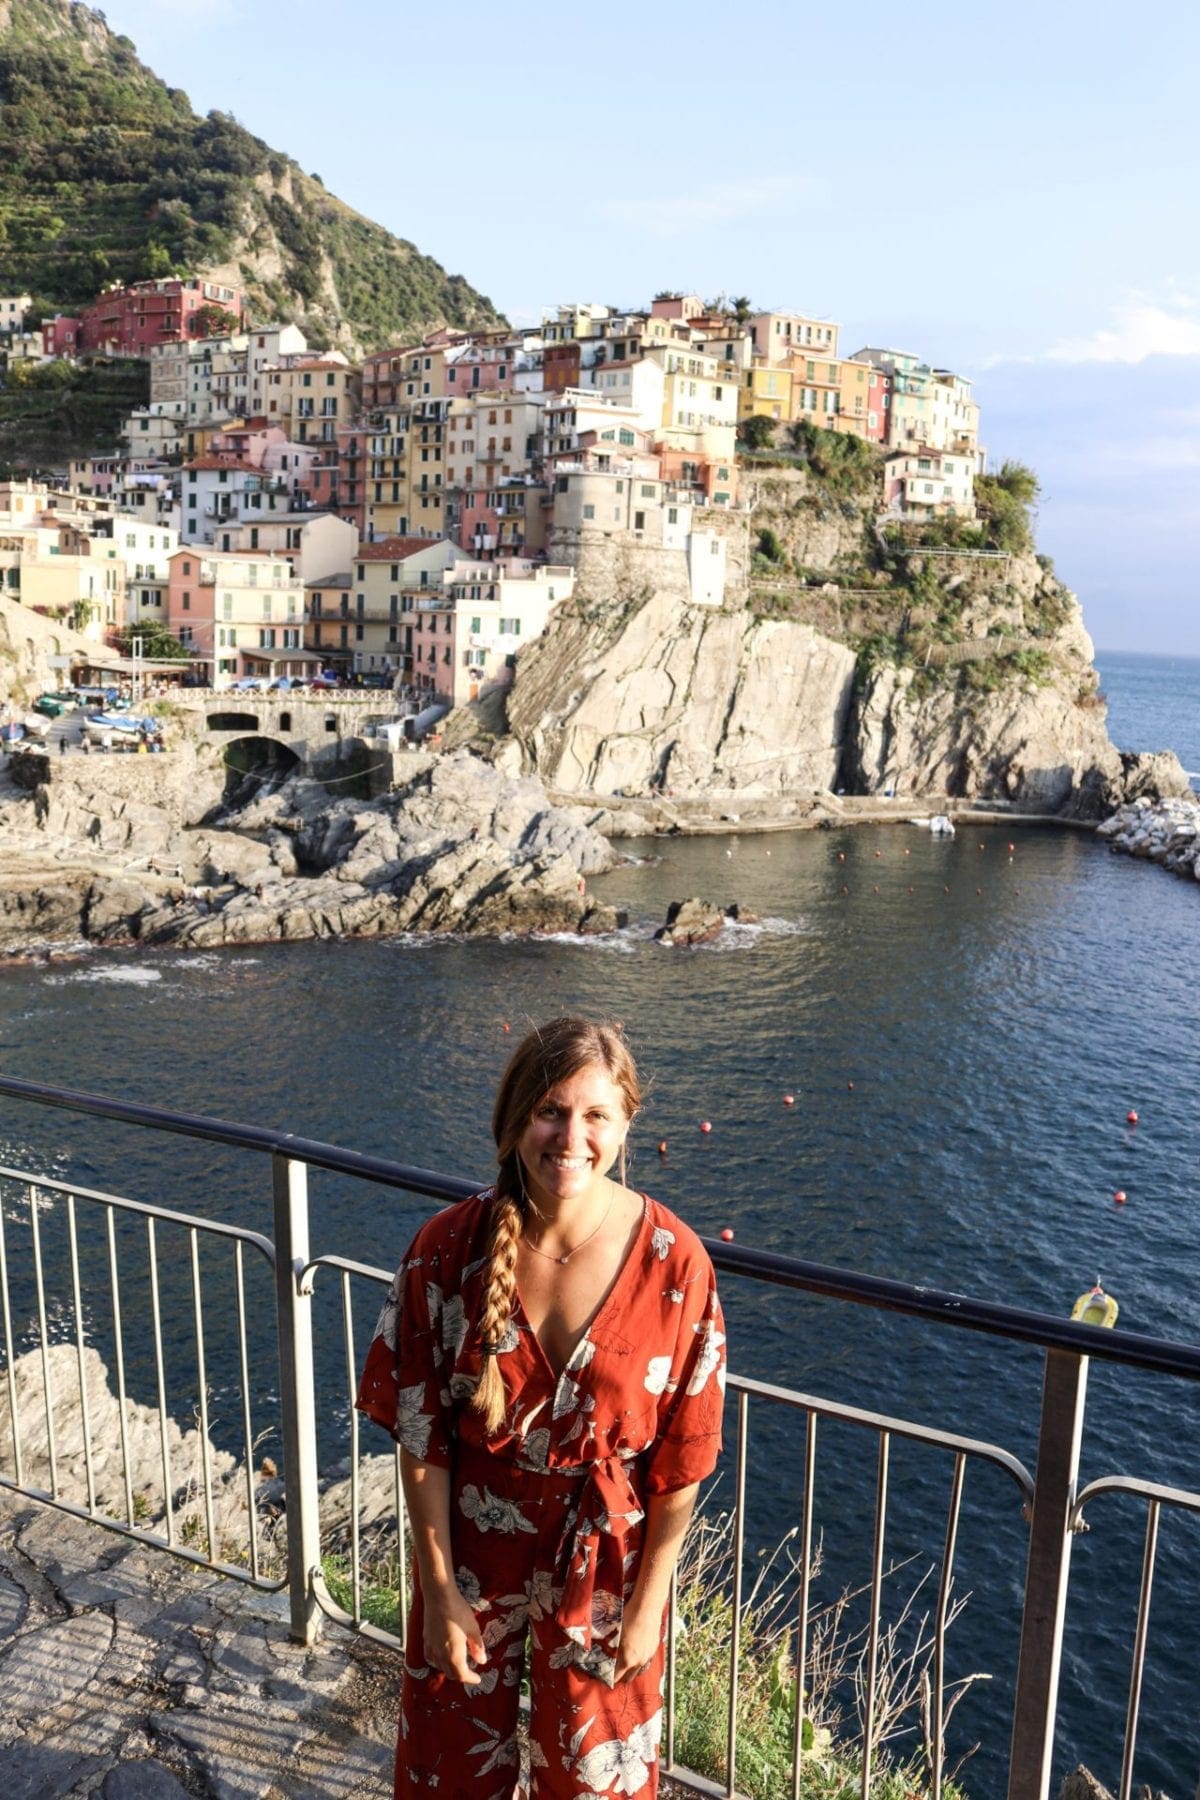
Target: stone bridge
[[304, 724]]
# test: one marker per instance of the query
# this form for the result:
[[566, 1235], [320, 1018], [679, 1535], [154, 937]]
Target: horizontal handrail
[[1023, 1325]]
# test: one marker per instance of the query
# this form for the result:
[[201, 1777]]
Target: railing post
[[297, 1392], [1063, 1391]]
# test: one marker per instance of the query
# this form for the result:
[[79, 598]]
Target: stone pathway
[[128, 1675]]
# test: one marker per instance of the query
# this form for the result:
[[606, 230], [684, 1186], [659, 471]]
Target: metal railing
[[198, 1502]]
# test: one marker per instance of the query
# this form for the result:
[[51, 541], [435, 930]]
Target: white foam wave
[[131, 974]]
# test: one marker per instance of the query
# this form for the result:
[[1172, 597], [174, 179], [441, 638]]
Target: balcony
[[435, 603]]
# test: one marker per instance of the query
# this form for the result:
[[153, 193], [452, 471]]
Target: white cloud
[[1141, 328], [720, 204]]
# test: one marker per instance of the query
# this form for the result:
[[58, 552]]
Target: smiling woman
[[551, 1361]]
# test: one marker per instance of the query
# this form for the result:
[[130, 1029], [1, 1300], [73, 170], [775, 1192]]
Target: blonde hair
[[548, 1054]]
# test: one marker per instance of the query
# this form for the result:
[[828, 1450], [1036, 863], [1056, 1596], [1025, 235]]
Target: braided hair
[[548, 1054]]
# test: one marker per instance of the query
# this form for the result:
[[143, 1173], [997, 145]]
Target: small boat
[[941, 826], [125, 726], [12, 733], [1095, 1308]]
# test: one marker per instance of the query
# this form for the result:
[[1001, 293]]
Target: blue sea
[[964, 1026]]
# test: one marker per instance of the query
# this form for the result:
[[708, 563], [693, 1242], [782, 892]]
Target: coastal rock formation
[[659, 696], [1028, 743], [456, 846], [700, 922], [1166, 832]]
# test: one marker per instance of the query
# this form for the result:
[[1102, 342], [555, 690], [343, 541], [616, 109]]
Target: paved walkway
[[128, 1675]]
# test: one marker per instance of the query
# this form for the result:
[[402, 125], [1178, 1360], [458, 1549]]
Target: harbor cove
[[963, 1024]]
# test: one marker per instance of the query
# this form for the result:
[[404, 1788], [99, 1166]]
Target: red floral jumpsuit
[[547, 1513]]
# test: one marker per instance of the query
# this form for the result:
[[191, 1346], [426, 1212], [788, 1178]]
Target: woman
[[550, 1361]]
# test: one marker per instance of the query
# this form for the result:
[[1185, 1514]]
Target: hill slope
[[107, 174]]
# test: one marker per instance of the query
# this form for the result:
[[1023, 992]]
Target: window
[[510, 627], [639, 521], [589, 511], [187, 603], [476, 626]]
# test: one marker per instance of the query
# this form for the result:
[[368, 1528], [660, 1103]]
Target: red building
[[128, 321]]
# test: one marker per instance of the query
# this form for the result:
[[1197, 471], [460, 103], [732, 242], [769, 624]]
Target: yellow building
[[767, 391], [816, 389], [405, 486], [312, 399]]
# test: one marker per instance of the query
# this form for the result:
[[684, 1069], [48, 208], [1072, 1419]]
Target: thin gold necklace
[[576, 1248]]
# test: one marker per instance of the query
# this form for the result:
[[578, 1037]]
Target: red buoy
[[789, 1099], [850, 1084], [662, 1147], [841, 856], [705, 1126], [1119, 1196], [1131, 1118], [727, 1235], [506, 1027], [1011, 848]]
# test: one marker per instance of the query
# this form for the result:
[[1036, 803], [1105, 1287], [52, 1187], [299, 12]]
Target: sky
[[1010, 192]]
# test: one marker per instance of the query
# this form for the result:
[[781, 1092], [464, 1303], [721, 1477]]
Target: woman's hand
[[453, 1640], [641, 1635]]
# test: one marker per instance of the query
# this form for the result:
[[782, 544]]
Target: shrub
[[758, 431]]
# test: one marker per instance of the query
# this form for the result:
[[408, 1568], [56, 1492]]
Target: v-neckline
[[556, 1375]]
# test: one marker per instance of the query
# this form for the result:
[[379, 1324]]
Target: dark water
[[1152, 704], [997, 1015]]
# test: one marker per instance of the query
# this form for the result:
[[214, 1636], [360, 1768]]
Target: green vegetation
[[51, 412], [1004, 502], [845, 466], [107, 175], [758, 431], [1032, 668], [158, 645]]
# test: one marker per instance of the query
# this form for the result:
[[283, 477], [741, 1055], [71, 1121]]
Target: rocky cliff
[[926, 662]]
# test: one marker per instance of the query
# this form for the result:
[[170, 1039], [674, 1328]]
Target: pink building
[[128, 321]]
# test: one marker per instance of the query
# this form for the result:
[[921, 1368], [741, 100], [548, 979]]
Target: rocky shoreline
[[1162, 831], [164, 851]]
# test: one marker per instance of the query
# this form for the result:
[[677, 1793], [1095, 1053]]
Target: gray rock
[[696, 921], [141, 1780], [14, 1605], [51, 1664]]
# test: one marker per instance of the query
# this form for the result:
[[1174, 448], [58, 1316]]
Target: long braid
[[498, 1294]]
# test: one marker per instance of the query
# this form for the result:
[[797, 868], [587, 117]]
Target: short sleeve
[[403, 1380], [688, 1441]]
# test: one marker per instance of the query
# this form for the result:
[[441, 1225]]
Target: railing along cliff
[[63, 1245]]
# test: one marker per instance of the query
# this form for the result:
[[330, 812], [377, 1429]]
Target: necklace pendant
[[565, 1259]]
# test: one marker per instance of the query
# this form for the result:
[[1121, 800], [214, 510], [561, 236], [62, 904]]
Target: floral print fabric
[[547, 1513]]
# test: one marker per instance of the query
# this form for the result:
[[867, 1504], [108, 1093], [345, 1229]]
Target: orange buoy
[[1011, 848], [662, 1147], [705, 1126], [506, 1027], [789, 1099], [907, 851], [878, 854], [1131, 1118], [841, 856], [1119, 1196], [850, 1085], [727, 1234]]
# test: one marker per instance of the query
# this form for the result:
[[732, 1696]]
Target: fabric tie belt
[[602, 1509]]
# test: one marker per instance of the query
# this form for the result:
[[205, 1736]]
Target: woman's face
[[574, 1136]]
